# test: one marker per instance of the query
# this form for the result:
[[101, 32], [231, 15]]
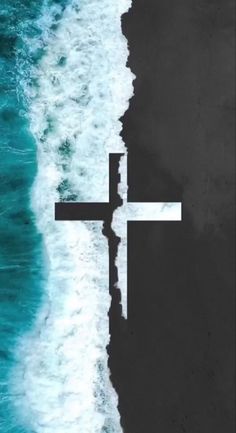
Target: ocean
[[64, 85]]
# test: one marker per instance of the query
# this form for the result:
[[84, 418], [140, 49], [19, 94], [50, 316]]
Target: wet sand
[[172, 363]]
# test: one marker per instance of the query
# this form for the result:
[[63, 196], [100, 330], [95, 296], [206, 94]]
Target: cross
[[117, 213]]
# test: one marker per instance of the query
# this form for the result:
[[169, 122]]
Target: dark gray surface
[[173, 365]]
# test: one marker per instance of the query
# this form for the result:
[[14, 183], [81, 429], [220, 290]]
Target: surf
[[76, 93]]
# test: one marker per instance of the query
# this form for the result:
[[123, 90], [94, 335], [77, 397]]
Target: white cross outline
[[121, 216]]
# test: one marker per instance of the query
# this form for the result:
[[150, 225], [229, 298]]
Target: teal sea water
[[21, 252], [64, 85]]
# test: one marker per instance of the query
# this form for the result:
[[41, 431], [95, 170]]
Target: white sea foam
[[83, 86]]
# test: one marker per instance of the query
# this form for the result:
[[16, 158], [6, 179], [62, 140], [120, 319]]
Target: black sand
[[173, 363]]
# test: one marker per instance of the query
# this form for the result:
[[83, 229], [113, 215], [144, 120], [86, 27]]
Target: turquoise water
[[63, 77], [20, 244]]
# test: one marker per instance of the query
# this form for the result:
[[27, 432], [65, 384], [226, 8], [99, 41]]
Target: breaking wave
[[76, 92]]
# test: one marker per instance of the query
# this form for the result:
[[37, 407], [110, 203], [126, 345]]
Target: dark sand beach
[[172, 363]]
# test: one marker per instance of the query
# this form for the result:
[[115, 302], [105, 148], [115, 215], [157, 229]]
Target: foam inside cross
[[118, 212]]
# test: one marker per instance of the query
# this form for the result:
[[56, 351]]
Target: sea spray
[[81, 87]]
